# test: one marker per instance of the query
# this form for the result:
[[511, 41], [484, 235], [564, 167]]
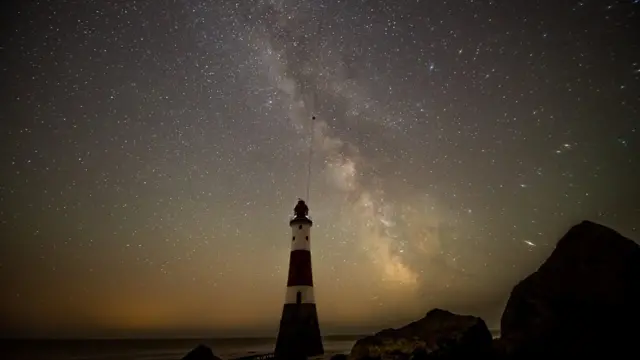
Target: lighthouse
[[299, 333]]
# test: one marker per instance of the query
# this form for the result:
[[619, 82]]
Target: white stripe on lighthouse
[[306, 295], [300, 237]]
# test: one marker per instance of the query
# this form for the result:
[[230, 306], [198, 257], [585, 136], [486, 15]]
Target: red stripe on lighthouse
[[300, 268]]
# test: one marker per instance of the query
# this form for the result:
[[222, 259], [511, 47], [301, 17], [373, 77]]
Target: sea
[[150, 349], [155, 349]]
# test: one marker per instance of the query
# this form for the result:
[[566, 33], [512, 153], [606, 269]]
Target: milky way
[[152, 153]]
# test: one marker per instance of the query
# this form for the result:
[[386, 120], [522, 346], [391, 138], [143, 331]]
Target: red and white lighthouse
[[299, 333]]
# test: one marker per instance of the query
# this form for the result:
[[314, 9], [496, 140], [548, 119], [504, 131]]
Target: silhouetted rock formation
[[200, 352], [583, 301], [439, 335]]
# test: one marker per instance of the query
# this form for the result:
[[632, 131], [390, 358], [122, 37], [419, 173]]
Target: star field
[[152, 153]]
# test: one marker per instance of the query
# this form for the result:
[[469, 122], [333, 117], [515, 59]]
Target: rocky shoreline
[[583, 301]]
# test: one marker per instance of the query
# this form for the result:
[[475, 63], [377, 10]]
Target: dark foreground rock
[[583, 301], [200, 352], [439, 335]]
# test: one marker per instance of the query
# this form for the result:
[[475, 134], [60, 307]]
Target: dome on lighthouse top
[[300, 213], [301, 209]]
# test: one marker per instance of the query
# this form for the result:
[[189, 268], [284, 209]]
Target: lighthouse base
[[299, 334]]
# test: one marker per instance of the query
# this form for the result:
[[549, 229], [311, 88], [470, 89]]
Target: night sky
[[152, 153]]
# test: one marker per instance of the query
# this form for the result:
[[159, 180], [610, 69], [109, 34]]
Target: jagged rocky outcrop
[[583, 301], [439, 335], [201, 352]]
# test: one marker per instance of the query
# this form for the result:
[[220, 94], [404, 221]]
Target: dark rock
[[583, 301], [500, 350], [200, 352], [339, 357], [439, 335]]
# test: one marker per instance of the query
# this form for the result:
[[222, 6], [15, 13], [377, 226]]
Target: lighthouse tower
[[299, 334]]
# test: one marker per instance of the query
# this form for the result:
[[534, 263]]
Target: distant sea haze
[[154, 349]]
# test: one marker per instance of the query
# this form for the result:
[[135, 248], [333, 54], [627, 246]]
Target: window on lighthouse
[[298, 298]]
